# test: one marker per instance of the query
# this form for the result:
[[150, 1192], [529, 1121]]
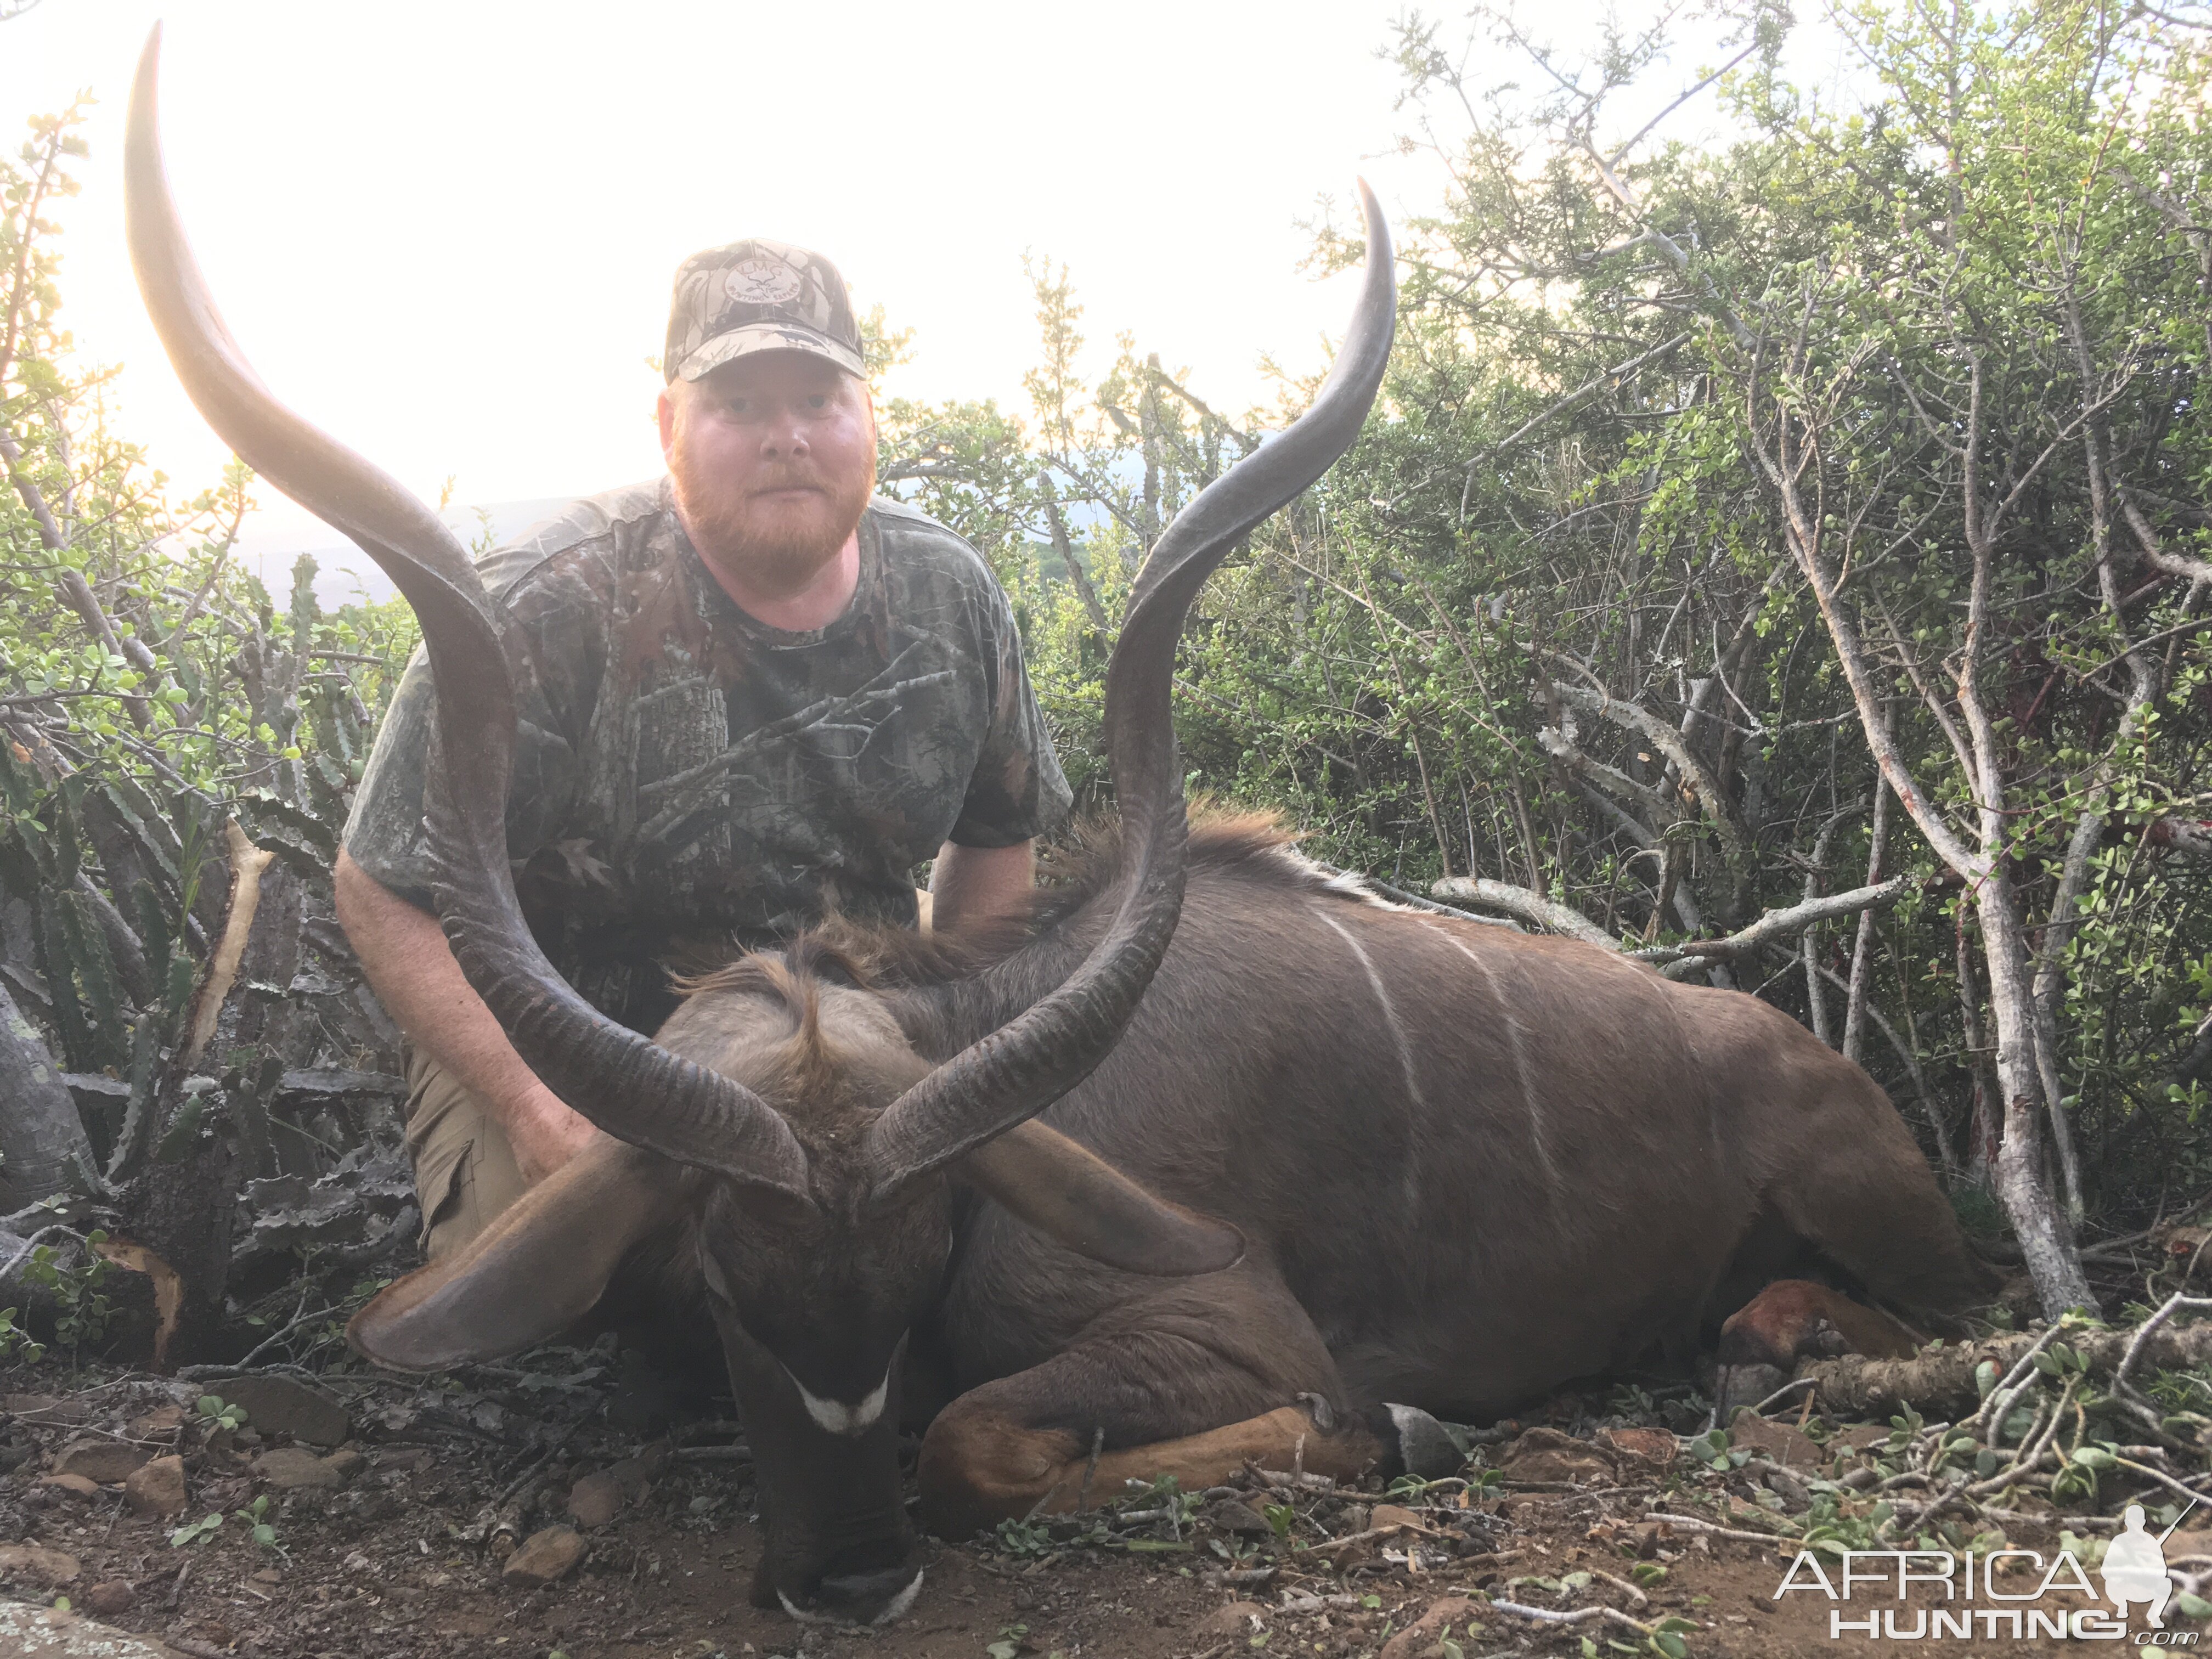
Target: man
[[753, 696]]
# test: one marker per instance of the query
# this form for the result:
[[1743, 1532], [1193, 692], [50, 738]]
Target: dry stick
[[1998, 1405], [2174, 1304], [1523, 905], [1856, 1002], [1615, 373], [1063, 546], [75, 592], [1903, 1049], [1630, 717], [1412, 729], [247, 861], [1706, 1526]]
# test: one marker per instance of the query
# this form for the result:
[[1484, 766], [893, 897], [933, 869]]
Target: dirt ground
[[393, 1513]]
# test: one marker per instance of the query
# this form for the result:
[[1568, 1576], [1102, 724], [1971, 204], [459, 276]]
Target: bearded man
[[752, 695]]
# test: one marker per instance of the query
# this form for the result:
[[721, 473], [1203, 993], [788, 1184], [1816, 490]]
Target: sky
[[446, 232]]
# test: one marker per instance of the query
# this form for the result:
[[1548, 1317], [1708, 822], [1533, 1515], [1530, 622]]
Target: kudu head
[[783, 1124]]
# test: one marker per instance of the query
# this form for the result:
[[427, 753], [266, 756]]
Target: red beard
[[776, 542]]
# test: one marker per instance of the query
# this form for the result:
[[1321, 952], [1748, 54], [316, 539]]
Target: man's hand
[[546, 1134], [412, 970]]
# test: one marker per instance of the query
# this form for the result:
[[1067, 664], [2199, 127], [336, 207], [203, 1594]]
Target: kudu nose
[[874, 1596]]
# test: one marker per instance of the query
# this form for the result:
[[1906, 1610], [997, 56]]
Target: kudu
[[1337, 1154]]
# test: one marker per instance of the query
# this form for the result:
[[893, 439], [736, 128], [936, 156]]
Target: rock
[[1427, 1631], [76, 1485], [346, 1463], [29, 1632], [294, 1468], [545, 1557], [158, 1488], [631, 1477], [1791, 1448], [596, 1499], [160, 1420], [1238, 1618], [1653, 1450], [1241, 1519], [268, 1576], [1550, 1455], [1790, 1490], [103, 1462], [1397, 1515], [280, 1406], [110, 1597], [37, 1565]]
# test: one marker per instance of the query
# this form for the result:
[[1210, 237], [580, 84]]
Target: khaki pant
[[464, 1170]]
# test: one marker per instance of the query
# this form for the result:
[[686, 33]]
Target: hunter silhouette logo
[[2135, 1567]]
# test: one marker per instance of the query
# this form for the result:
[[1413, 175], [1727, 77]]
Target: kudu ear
[[531, 1274], [1068, 1193]]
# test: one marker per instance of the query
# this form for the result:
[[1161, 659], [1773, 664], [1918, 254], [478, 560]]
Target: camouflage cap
[[759, 295]]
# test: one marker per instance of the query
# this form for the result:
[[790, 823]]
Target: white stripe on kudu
[[1520, 1061]]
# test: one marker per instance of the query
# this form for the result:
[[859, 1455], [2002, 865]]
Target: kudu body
[[1301, 1153]]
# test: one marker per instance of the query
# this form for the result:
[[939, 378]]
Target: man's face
[[773, 458]]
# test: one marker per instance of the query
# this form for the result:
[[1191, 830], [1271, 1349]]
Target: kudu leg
[[1858, 1191], [1186, 1381], [1795, 1319]]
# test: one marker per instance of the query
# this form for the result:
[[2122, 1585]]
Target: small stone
[[277, 1405], [1229, 1515], [1548, 1455], [41, 1565], [103, 1462], [596, 1499], [160, 1420], [76, 1485], [294, 1468], [110, 1597], [268, 1576], [1791, 1448], [545, 1557], [1395, 1515], [1654, 1448], [158, 1488], [346, 1463], [1238, 1618], [29, 1632]]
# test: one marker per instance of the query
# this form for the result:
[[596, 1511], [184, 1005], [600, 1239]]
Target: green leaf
[[193, 1531]]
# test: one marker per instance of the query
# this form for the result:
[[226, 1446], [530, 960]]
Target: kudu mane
[[887, 959]]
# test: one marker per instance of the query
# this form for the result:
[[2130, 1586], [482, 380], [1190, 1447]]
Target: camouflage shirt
[[687, 776]]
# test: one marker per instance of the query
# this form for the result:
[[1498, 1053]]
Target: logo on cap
[[762, 281]]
